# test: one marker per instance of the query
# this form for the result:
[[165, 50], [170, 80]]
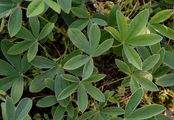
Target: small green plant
[[49, 52]]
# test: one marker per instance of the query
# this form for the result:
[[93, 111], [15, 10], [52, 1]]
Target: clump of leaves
[[69, 87]]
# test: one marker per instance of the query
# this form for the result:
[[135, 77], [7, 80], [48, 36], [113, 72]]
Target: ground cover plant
[[86, 59]]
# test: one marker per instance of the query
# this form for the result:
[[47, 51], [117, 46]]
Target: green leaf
[[76, 62], [46, 101], [144, 40], [70, 78], [59, 113], [6, 69], [95, 78], [146, 83], [88, 69], [78, 39], [114, 33], [3, 109], [123, 66], [25, 34], [87, 115], [53, 5], [17, 1], [169, 58], [20, 47], [80, 12], [15, 22], [23, 108], [162, 117], [143, 52], [80, 24], [59, 85], [68, 91], [32, 51], [150, 62], [38, 83], [134, 86], [35, 25], [166, 80], [136, 26], [10, 109], [82, 98], [122, 25], [15, 60], [133, 57], [164, 30], [99, 21], [36, 7], [161, 16], [146, 112], [103, 47], [70, 110], [6, 82], [43, 62], [47, 29], [5, 7], [133, 102], [17, 90], [65, 5], [112, 111], [94, 36], [95, 93]]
